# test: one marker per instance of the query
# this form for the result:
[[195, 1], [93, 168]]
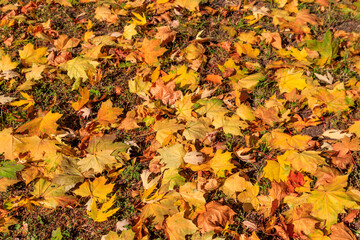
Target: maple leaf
[[100, 153], [307, 161], [45, 123], [172, 156], [165, 92], [340, 231], [211, 108], [165, 34], [103, 13], [85, 94], [289, 79], [285, 141], [30, 55], [191, 5], [140, 87], [6, 64], [245, 112], [249, 197], [77, 68], [5, 183], [38, 147], [221, 163], [97, 189], [330, 200], [64, 42], [184, 107], [165, 129], [50, 195], [346, 146], [102, 214], [275, 171], [4, 99], [129, 31], [29, 101], [327, 48], [151, 50], [139, 19], [8, 169], [177, 227], [355, 128], [190, 194], [233, 185], [35, 72], [158, 210], [196, 129], [9, 143], [107, 114], [215, 217]]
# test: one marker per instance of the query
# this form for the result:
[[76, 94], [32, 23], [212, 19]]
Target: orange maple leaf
[[45, 123], [151, 50]]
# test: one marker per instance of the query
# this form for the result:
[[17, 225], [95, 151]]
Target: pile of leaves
[[180, 119]]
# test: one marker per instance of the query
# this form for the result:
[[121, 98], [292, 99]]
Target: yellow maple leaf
[[44, 124], [307, 161], [97, 189], [191, 195], [29, 101], [233, 185], [329, 200], [9, 143], [355, 128], [35, 72], [221, 163], [184, 108], [129, 31], [191, 5], [30, 55], [276, 171], [102, 214], [246, 49], [6, 64], [289, 79], [177, 227], [165, 129], [139, 19], [285, 141]]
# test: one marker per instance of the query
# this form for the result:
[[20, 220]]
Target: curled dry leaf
[[215, 217], [194, 157]]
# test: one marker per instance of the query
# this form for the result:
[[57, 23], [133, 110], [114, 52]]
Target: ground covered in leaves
[[179, 119]]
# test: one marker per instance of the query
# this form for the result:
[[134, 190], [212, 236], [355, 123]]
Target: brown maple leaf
[[165, 34], [346, 146], [165, 92]]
